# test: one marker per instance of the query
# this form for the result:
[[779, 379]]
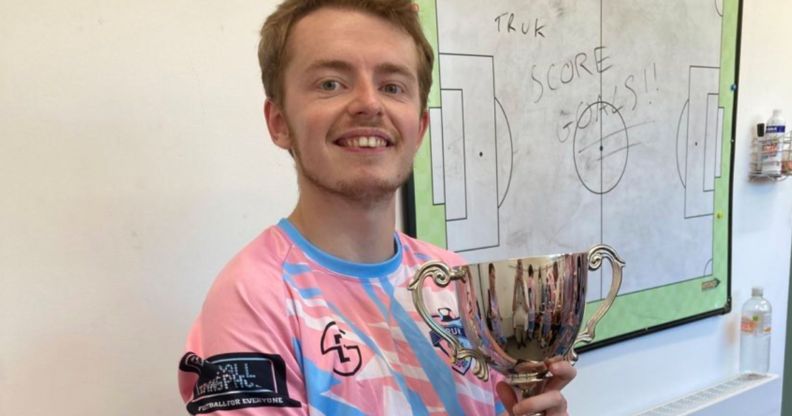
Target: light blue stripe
[[358, 270], [290, 270], [297, 347], [432, 364], [309, 293], [294, 269], [499, 407], [315, 380], [373, 296], [422, 257]]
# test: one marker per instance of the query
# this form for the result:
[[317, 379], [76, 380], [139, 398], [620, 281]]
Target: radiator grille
[[707, 397]]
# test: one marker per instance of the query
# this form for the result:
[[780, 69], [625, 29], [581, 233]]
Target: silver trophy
[[520, 315]]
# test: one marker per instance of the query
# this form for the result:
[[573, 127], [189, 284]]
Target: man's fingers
[[550, 400], [552, 403], [507, 395], [563, 373]]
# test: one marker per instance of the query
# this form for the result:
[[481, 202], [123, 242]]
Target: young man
[[314, 316]]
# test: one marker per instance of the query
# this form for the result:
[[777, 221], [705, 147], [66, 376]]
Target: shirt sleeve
[[242, 354]]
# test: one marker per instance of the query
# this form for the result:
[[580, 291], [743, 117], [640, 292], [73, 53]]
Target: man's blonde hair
[[273, 54]]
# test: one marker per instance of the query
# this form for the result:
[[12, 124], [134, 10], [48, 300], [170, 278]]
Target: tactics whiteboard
[[560, 124]]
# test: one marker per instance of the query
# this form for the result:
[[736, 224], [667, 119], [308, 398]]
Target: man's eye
[[330, 85], [393, 89]]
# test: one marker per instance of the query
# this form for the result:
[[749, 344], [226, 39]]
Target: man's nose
[[366, 100]]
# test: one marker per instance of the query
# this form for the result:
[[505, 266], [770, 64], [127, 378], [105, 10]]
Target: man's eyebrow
[[403, 70], [338, 65], [330, 64]]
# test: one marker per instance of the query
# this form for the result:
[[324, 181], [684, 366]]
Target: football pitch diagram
[[558, 124]]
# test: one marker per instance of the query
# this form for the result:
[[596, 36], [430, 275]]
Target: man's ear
[[424, 124], [277, 125]]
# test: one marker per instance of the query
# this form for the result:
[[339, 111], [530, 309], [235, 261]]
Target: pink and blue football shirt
[[288, 329]]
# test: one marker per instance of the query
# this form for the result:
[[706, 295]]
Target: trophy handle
[[595, 261], [442, 275]]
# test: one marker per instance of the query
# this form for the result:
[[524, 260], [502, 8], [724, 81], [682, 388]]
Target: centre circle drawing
[[600, 147]]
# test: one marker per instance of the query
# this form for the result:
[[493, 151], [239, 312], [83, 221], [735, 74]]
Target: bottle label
[[775, 129], [754, 324], [748, 324], [766, 327]]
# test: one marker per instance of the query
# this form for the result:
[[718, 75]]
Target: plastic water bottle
[[756, 150], [755, 328], [772, 144]]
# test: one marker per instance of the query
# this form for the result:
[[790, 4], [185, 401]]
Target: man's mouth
[[368, 142]]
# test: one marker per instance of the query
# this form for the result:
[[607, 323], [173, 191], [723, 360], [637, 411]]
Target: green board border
[[636, 313]]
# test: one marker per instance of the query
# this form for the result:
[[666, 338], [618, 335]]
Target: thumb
[[507, 395]]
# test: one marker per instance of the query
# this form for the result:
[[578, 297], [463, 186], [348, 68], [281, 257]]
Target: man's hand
[[550, 401]]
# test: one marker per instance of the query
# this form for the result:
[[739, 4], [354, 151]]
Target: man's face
[[351, 104]]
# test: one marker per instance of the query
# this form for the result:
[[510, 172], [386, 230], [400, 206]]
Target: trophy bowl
[[520, 315]]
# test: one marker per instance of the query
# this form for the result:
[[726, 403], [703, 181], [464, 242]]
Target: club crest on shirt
[[453, 326], [347, 354]]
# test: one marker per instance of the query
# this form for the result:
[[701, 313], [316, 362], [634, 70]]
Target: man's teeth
[[363, 141]]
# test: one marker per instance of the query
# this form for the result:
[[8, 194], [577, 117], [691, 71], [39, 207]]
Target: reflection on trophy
[[519, 315]]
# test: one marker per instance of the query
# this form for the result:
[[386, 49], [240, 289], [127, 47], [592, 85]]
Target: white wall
[[134, 162]]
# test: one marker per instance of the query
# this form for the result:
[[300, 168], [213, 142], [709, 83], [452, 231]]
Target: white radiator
[[711, 400]]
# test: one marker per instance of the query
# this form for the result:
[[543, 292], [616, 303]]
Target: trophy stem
[[529, 384]]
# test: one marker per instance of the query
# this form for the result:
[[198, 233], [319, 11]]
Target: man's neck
[[350, 230]]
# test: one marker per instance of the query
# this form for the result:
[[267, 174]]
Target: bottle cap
[[757, 291]]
